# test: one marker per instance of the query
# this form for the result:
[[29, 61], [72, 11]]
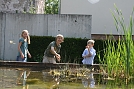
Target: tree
[[51, 6]]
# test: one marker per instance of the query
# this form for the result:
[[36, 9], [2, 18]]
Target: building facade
[[102, 20]]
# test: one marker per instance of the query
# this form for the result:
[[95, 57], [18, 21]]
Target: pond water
[[20, 78]]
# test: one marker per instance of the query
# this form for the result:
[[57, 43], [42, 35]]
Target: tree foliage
[[51, 6]]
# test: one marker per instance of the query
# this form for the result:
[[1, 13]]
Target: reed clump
[[119, 54]]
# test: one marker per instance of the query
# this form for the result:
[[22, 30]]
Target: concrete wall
[[0, 34], [21, 6], [11, 26], [2, 41], [102, 21]]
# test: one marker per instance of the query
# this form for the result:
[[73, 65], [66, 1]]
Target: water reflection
[[22, 77], [89, 81], [17, 78], [52, 78], [58, 77], [11, 78]]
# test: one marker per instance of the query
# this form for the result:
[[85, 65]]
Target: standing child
[[89, 53], [51, 53], [23, 47]]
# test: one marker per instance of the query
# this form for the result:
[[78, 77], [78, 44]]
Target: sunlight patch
[[11, 42], [93, 1]]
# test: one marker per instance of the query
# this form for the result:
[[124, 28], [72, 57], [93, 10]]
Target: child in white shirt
[[89, 53]]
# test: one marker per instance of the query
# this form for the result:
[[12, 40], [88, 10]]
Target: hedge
[[71, 48]]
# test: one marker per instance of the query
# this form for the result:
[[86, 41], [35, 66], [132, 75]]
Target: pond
[[24, 78], [63, 78]]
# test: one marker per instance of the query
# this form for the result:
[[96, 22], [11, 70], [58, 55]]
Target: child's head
[[90, 43], [25, 35], [59, 38]]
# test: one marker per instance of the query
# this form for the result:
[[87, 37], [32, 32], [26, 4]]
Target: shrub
[[71, 48]]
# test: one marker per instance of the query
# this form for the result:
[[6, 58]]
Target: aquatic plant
[[119, 55]]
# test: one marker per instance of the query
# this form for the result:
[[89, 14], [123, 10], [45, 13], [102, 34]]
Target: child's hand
[[84, 56], [58, 57], [87, 46], [29, 55], [22, 56]]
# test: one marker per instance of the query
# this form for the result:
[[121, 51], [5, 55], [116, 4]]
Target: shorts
[[21, 59], [48, 59]]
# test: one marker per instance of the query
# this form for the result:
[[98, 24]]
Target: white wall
[[102, 21]]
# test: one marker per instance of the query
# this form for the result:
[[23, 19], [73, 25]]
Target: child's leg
[[45, 59], [52, 60]]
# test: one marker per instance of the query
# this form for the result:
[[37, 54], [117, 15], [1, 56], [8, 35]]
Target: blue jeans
[[21, 59]]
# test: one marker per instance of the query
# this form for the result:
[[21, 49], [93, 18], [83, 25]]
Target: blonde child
[[89, 53], [53, 49], [23, 47]]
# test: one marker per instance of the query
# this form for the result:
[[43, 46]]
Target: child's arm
[[29, 55], [84, 53], [87, 53], [54, 52], [91, 52], [21, 54]]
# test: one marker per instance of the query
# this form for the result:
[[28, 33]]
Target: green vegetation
[[71, 49], [51, 6], [119, 55]]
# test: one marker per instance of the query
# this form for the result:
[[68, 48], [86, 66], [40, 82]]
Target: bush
[[71, 48]]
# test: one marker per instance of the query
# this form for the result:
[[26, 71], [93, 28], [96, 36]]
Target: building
[[102, 20]]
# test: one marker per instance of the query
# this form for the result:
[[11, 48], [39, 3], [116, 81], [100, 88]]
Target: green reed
[[119, 55]]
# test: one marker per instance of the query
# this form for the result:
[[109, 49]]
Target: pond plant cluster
[[85, 75], [119, 55]]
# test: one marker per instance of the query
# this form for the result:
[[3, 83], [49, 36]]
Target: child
[[23, 47], [89, 53], [51, 53]]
